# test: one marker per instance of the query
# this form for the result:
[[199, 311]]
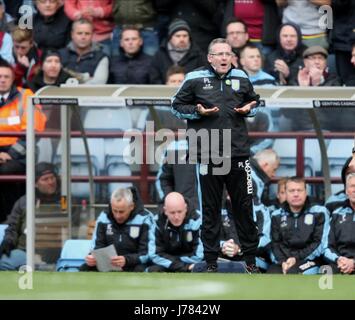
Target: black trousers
[[239, 186]]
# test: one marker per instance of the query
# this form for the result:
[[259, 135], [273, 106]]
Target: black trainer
[[212, 267]]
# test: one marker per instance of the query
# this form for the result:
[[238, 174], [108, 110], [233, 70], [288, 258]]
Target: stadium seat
[[119, 170], [103, 119], [142, 119], [312, 153], [286, 149], [339, 150], [73, 255], [116, 158], [2, 231], [79, 165], [45, 150]]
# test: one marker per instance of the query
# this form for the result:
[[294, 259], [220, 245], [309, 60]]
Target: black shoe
[[212, 267], [252, 268]]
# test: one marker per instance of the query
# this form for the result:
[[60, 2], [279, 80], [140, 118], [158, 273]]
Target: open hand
[[245, 109], [204, 111]]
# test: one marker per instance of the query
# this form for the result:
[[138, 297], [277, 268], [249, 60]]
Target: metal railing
[[144, 179]]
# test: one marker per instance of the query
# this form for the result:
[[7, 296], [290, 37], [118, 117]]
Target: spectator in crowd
[[298, 232], [28, 57], [335, 200], [342, 37], [143, 15], [6, 44], [261, 17], [13, 105], [280, 195], [178, 50], [340, 248], [51, 73], [99, 12], [201, 16], [306, 14], [219, 107], [251, 62], [315, 71], [82, 58], [6, 21], [264, 165], [13, 247], [174, 243], [12, 7], [125, 225], [237, 36], [316, 74], [175, 76], [285, 61], [132, 65], [51, 26]]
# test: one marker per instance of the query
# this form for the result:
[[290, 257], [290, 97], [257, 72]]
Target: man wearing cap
[[12, 249], [51, 73], [315, 71], [179, 49]]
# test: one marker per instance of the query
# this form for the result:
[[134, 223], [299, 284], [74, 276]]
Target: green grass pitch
[[159, 286]]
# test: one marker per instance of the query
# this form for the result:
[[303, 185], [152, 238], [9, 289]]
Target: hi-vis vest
[[13, 116]]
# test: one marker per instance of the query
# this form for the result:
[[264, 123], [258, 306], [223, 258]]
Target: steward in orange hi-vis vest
[[13, 115], [13, 118]]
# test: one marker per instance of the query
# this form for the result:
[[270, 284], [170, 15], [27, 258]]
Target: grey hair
[[122, 193], [349, 176], [267, 155], [215, 41]]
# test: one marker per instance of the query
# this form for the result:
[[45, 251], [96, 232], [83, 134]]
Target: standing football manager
[[215, 100]]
